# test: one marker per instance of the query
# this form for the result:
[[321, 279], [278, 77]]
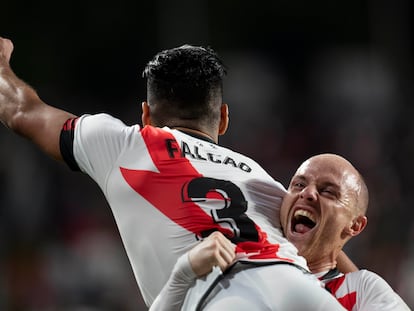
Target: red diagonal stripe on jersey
[[163, 190], [348, 300]]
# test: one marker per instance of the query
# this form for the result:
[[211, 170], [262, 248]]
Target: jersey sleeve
[[92, 143], [174, 291], [376, 294], [66, 143]]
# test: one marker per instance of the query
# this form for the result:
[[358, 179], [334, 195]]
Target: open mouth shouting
[[302, 221]]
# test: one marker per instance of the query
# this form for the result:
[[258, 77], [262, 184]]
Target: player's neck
[[322, 264], [196, 132], [319, 258]]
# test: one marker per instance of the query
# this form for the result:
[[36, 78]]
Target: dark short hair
[[184, 81]]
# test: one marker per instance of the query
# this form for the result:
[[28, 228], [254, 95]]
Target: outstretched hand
[[6, 49], [215, 250]]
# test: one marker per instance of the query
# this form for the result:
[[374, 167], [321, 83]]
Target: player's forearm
[[174, 291], [16, 97], [20, 106], [22, 110]]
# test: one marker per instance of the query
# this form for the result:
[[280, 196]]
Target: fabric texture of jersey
[[168, 189], [275, 287], [364, 290]]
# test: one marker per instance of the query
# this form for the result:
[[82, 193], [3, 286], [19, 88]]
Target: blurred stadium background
[[305, 77]]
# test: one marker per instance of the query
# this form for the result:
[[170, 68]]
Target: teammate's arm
[[214, 251], [345, 264], [24, 112]]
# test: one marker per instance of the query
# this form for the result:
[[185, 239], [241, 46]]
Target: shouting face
[[324, 208]]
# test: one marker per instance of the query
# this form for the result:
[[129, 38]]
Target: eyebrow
[[298, 177], [302, 177]]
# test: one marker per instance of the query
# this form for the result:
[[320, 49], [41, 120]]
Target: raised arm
[[24, 112]]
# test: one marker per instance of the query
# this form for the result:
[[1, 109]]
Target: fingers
[[215, 250], [6, 49], [224, 250]]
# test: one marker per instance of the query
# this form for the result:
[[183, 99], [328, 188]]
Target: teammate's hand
[[215, 250], [6, 49]]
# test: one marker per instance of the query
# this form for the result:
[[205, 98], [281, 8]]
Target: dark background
[[305, 77]]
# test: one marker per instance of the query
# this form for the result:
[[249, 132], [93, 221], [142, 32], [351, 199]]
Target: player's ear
[[145, 117], [358, 224], [224, 119]]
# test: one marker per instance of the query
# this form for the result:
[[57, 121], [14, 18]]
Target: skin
[[329, 190], [209, 132], [24, 112], [215, 250]]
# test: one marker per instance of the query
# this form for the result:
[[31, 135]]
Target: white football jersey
[[364, 290], [167, 190]]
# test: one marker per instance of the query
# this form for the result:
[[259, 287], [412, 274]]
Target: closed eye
[[329, 192]]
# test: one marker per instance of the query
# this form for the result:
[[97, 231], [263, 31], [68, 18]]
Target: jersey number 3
[[230, 210]]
